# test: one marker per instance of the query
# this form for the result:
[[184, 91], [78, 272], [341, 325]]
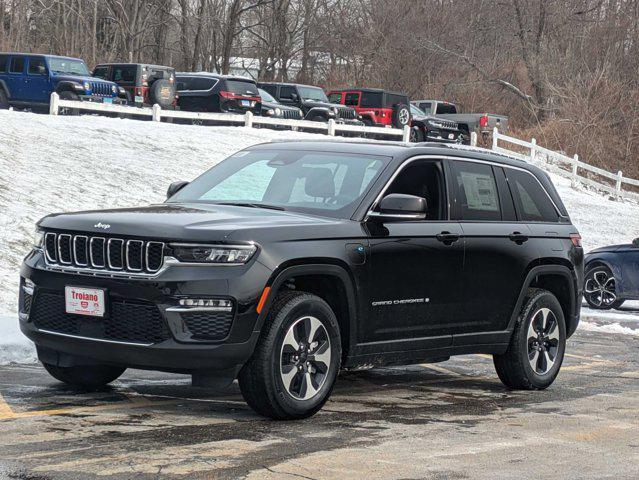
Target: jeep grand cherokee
[[289, 261]]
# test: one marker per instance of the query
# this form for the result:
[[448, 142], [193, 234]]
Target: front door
[[37, 81], [413, 290]]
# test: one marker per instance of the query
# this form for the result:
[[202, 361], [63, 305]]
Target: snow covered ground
[[52, 164]]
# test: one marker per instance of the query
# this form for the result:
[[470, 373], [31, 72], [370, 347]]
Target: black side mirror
[[175, 187], [295, 97], [399, 206], [635, 242]]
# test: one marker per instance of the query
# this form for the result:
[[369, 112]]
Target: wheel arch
[[65, 86], [559, 280], [329, 281]]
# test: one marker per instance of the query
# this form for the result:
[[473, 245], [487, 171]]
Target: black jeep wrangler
[[342, 255], [312, 101]]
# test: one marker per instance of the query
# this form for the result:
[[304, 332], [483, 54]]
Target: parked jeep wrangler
[[376, 107], [313, 102], [289, 261], [27, 81], [145, 85]]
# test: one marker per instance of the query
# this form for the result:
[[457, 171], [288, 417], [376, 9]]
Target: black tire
[[401, 115], [85, 376], [515, 367], [261, 378], [68, 95], [4, 101], [416, 135], [162, 92], [596, 277]]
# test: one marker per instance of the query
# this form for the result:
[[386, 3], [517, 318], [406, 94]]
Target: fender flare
[[66, 85], [314, 269], [4, 87], [322, 111], [572, 320]]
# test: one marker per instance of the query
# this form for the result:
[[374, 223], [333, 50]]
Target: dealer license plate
[[245, 103], [107, 100], [84, 301]]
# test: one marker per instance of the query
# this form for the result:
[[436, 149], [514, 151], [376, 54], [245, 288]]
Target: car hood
[[612, 248], [277, 105], [80, 78], [315, 104], [199, 223]]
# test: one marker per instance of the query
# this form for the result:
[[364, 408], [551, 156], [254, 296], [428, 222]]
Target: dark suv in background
[[27, 81], [312, 101], [291, 260], [209, 92], [145, 85]]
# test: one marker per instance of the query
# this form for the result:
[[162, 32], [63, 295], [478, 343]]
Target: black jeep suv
[[312, 101], [289, 261]]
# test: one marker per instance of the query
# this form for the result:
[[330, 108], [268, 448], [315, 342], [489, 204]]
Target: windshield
[[416, 111], [312, 93], [68, 66], [266, 97], [330, 184]]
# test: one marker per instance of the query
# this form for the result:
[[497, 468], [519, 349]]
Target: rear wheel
[[293, 369], [600, 289], [4, 101], [86, 376], [537, 344]]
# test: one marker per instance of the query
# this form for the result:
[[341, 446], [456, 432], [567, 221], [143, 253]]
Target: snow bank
[[52, 164]]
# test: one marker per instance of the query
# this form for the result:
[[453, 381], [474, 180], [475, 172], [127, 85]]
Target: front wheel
[[416, 135], [85, 376], [67, 95], [296, 361], [537, 344], [600, 289]]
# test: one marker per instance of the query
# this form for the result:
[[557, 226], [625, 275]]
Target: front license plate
[[84, 301], [107, 100], [245, 103]]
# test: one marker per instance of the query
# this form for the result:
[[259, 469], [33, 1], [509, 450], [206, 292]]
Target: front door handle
[[447, 238], [518, 237]]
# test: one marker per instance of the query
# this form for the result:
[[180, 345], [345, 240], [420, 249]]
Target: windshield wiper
[[252, 205]]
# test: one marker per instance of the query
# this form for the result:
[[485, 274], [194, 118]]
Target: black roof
[[370, 90], [214, 75], [133, 64], [288, 84]]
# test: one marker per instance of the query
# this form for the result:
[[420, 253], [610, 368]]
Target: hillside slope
[[51, 164]]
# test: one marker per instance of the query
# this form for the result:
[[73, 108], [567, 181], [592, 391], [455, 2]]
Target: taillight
[[235, 96], [575, 238], [224, 94], [483, 121]]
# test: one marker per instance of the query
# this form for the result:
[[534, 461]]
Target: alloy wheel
[[543, 341], [305, 358], [404, 116], [600, 289]]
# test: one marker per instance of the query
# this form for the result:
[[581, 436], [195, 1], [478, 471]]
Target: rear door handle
[[447, 238], [518, 237]]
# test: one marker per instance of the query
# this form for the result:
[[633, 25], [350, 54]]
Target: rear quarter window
[[371, 100], [393, 99], [125, 74], [17, 65], [531, 200]]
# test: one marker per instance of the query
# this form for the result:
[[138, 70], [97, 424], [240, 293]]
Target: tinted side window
[[17, 65], [195, 83], [3, 63], [531, 200], [393, 99], [37, 66], [371, 100], [352, 99], [446, 108], [335, 97], [101, 72], [125, 74], [426, 106], [272, 89], [287, 92], [476, 191], [240, 87]]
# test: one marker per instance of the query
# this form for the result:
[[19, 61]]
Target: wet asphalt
[[451, 420]]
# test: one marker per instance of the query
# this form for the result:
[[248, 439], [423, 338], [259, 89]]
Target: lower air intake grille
[[126, 322], [208, 325]]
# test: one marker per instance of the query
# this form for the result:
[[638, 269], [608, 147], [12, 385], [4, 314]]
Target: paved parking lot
[[451, 420]]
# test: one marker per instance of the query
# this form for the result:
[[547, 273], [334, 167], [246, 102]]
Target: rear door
[[37, 81], [497, 247], [15, 78]]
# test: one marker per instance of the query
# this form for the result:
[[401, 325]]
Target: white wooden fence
[[248, 120], [568, 167]]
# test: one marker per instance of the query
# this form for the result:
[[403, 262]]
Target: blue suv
[[27, 81]]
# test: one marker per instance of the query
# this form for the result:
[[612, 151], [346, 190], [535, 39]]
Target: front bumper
[[442, 136], [100, 99], [144, 327]]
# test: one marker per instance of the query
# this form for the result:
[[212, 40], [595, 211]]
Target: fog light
[[210, 303], [28, 286]]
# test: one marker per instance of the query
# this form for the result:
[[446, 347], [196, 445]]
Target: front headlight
[[38, 238], [270, 112], [219, 254], [278, 112], [114, 89], [86, 85]]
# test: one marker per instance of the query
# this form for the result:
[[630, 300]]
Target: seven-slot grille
[[346, 113], [102, 89], [110, 254], [294, 114]]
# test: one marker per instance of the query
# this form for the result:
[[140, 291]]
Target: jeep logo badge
[[103, 226]]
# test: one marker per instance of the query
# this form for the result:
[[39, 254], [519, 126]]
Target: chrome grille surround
[[99, 255]]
